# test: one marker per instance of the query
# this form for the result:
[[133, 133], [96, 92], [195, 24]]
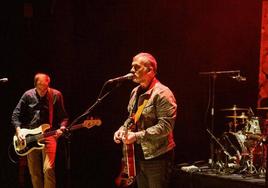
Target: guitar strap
[[141, 107], [130, 150], [50, 106], [139, 111]]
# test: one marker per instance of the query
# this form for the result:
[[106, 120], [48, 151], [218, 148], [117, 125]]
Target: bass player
[[37, 106]]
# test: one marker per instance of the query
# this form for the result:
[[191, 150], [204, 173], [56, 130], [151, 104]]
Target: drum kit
[[243, 148]]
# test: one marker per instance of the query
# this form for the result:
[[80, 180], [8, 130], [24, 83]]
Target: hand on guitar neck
[[26, 140], [124, 134]]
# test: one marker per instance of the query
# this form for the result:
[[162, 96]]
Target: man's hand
[[118, 136], [130, 138], [60, 131], [20, 135]]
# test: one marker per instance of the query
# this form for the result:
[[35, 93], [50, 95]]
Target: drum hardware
[[227, 154], [262, 108], [255, 137], [234, 145], [253, 166], [243, 148], [250, 168], [238, 154], [262, 169], [235, 122], [253, 126], [234, 108], [243, 116], [235, 116]]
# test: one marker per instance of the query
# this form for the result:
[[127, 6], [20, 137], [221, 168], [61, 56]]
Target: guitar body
[[123, 180], [127, 175], [128, 171], [33, 137], [31, 140]]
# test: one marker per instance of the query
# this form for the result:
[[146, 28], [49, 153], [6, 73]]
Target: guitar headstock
[[91, 123]]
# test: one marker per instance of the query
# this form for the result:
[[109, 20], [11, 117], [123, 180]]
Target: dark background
[[81, 44]]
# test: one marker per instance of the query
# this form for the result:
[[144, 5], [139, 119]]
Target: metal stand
[[212, 77], [252, 169], [67, 132]]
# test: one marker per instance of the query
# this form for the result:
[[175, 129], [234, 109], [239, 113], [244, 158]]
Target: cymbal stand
[[262, 170], [250, 168], [235, 120], [227, 158], [212, 83]]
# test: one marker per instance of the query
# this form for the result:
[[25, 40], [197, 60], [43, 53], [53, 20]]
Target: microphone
[[239, 78], [3, 79], [128, 76]]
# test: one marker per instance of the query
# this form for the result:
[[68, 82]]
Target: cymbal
[[233, 109], [262, 108], [238, 117]]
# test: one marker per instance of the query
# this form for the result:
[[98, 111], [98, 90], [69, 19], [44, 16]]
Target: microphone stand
[[67, 132], [212, 77]]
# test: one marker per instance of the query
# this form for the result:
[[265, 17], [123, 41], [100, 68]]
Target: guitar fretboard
[[34, 138]]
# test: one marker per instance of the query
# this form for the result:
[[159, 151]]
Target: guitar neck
[[77, 126], [51, 133], [86, 123], [47, 134]]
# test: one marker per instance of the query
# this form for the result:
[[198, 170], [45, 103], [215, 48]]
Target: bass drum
[[234, 145]]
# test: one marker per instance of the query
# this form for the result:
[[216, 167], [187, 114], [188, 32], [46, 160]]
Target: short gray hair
[[148, 60]]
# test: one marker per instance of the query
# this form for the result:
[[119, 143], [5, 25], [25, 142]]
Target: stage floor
[[209, 178]]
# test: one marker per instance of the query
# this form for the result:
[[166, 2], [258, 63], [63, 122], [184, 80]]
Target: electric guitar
[[127, 175], [34, 136]]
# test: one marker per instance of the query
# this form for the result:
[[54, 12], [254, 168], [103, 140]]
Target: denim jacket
[[157, 120]]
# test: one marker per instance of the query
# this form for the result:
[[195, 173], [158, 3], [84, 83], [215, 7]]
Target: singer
[[153, 108]]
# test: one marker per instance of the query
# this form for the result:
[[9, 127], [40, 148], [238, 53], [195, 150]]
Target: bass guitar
[[33, 137]]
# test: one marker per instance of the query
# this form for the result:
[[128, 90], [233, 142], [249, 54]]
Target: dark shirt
[[33, 110], [138, 150]]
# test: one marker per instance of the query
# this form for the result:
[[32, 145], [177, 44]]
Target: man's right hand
[[118, 136], [20, 135]]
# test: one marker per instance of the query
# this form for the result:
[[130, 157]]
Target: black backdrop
[[83, 43]]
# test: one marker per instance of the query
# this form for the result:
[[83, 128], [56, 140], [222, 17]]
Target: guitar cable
[[10, 147]]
